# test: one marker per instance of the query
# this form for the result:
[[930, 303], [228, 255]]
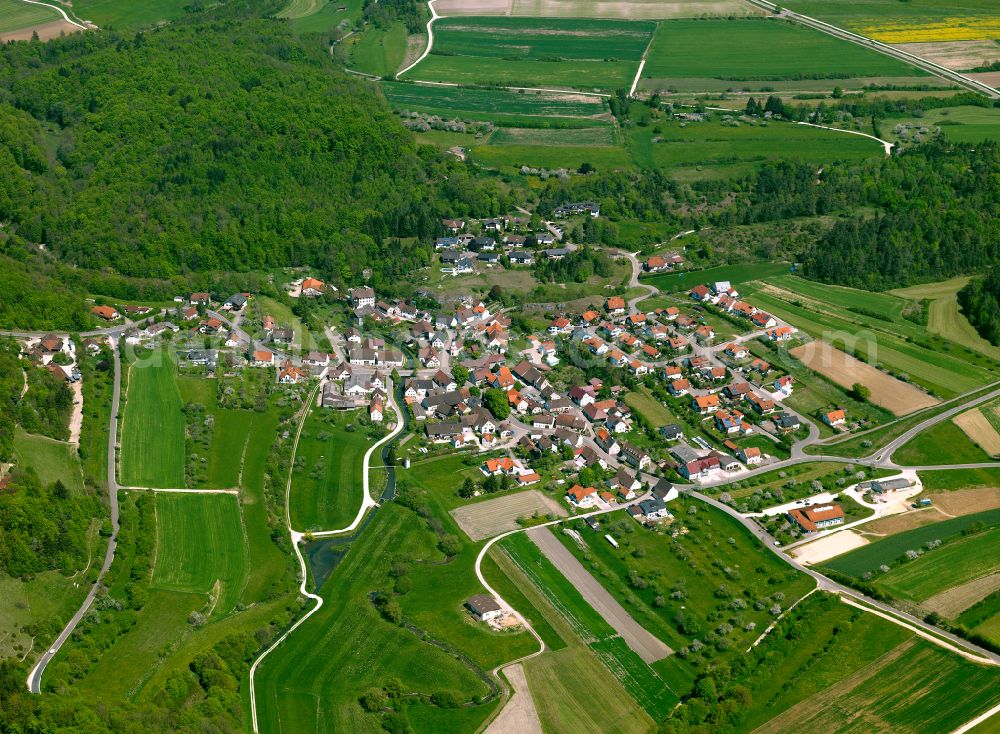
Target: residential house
[[635, 456], [672, 432], [751, 455], [581, 496], [362, 297], [835, 418], [105, 312]]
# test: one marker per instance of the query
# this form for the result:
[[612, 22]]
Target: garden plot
[[486, 519], [895, 395]]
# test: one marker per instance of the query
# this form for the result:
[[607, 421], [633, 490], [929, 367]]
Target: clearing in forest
[[895, 395]]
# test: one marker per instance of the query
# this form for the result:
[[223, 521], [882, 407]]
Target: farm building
[[813, 519], [484, 607]]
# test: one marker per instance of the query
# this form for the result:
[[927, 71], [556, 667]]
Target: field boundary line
[[430, 39], [969, 725], [60, 11], [940, 642], [553, 90], [297, 536], [885, 143], [180, 490]]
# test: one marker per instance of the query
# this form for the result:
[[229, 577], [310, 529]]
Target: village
[[554, 408]]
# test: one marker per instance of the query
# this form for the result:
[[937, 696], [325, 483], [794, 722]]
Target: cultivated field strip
[[649, 648]]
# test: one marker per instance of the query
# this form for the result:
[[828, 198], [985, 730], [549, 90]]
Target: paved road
[[826, 584], [35, 676], [885, 454], [884, 48], [648, 647]]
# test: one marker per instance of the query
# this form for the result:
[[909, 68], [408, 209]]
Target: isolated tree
[[861, 392], [496, 402]]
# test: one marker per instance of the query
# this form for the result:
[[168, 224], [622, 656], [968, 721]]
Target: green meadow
[[888, 550], [152, 431], [940, 569], [230, 432], [462, 101], [132, 14], [313, 681], [511, 51], [760, 49], [944, 443], [201, 548], [326, 479], [15, 15], [52, 460]]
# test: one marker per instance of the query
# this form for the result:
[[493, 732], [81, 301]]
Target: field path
[[58, 10], [430, 39], [885, 143], [648, 647], [35, 676], [296, 536], [519, 716]]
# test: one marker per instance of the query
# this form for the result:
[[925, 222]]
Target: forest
[[980, 302], [233, 112]]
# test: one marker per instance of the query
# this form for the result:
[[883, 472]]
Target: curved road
[[430, 39], [35, 676], [366, 503]]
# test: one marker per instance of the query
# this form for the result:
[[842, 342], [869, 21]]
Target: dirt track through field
[[482, 520], [519, 716], [648, 647], [894, 395], [952, 602], [976, 426]]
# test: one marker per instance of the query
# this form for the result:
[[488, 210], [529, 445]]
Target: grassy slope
[[945, 318], [52, 460], [131, 14], [199, 539], [380, 52], [326, 481], [736, 274], [152, 451], [946, 374], [944, 443]]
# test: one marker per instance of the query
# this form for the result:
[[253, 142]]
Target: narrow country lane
[[35, 676]]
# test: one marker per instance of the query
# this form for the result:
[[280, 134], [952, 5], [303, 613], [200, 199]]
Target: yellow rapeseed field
[[948, 29]]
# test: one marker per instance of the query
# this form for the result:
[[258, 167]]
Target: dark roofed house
[[484, 607]]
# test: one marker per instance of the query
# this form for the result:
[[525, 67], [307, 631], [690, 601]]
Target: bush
[[373, 700]]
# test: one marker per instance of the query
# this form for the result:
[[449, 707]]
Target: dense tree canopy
[[221, 145]]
